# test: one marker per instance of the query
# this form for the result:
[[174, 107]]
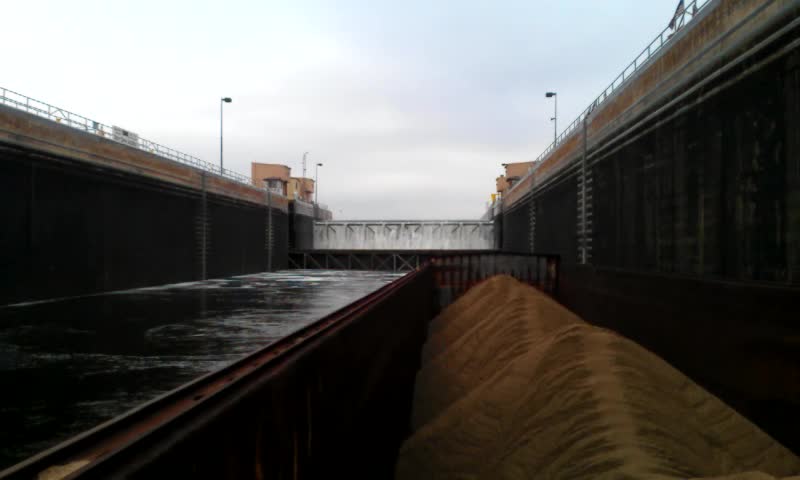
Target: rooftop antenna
[[304, 164]]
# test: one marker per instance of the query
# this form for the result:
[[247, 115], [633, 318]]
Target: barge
[[351, 395]]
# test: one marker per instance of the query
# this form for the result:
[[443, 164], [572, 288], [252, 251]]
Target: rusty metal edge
[[103, 442]]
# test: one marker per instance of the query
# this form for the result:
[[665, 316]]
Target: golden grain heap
[[515, 386]]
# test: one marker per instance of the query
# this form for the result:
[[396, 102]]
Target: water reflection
[[70, 364]]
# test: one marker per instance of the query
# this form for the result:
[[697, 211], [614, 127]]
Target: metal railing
[[79, 122], [681, 19]]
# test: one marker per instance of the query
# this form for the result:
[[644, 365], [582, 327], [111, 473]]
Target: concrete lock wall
[[690, 169], [696, 127], [404, 235], [708, 185], [82, 216]]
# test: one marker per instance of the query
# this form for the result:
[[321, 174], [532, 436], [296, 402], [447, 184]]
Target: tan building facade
[[501, 184], [302, 188], [514, 172], [260, 171], [278, 178]]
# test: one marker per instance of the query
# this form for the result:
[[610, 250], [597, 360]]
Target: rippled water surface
[[67, 365]]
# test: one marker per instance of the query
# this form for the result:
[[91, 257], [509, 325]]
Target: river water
[[67, 365]]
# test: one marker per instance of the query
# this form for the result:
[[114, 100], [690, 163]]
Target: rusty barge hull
[[333, 398]]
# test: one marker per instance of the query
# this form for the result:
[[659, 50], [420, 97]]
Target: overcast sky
[[411, 105]]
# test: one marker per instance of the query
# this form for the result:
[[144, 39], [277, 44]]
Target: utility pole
[[316, 182], [222, 102], [554, 95]]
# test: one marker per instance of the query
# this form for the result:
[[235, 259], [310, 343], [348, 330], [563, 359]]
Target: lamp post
[[555, 115], [316, 182], [222, 102]]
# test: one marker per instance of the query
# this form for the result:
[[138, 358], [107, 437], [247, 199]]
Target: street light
[[555, 115], [222, 102], [316, 182]]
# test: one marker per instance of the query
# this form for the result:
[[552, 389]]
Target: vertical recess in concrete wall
[[556, 210], [664, 146], [201, 229], [18, 238], [532, 225], [269, 231], [19, 277], [280, 237], [791, 95], [237, 245], [301, 233], [584, 205], [498, 230], [516, 228]]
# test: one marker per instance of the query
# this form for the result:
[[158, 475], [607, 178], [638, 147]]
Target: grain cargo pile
[[515, 386]]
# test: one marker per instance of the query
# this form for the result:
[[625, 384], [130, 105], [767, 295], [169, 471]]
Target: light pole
[[316, 182], [555, 115], [222, 102]]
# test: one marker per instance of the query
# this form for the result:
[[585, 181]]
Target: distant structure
[[301, 188], [278, 178], [514, 172], [272, 176]]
